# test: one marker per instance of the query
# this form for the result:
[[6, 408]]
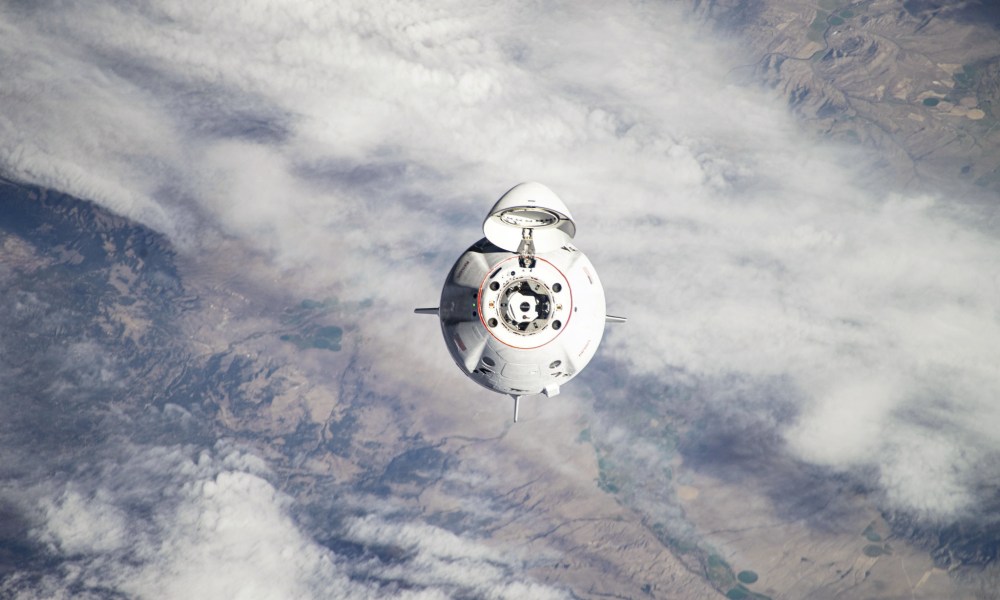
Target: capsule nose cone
[[533, 206]]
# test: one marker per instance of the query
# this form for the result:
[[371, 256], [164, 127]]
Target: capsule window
[[495, 286], [492, 322], [489, 361], [555, 364], [556, 287], [556, 325]]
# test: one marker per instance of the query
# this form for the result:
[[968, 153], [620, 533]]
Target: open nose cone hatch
[[529, 212]]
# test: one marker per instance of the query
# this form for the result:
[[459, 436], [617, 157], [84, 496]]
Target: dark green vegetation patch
[[737, 593], [870, 534], [307, 333], [718, 571], [747, 577], [607, 479], [967, 78], [740, 592]]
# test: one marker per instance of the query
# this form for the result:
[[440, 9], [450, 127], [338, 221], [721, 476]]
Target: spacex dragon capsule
[[522, 311]]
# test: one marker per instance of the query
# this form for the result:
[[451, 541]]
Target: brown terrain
[[916, 80]]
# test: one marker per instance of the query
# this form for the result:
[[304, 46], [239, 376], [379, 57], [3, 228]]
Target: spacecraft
[[522, 311]]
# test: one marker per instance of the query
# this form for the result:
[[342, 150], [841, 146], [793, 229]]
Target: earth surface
[[180, 423]]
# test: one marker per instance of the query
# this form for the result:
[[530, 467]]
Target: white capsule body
[[520, 324]]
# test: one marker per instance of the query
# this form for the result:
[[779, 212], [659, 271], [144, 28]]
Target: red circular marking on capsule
[[479, 302]]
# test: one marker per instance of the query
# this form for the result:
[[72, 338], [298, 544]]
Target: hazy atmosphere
[[802, 326]]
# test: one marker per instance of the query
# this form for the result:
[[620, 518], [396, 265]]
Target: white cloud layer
[[447, 562], [175, 522], [165, 524], [321, 133]]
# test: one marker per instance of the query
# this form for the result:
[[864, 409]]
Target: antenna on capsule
[[517, 406]]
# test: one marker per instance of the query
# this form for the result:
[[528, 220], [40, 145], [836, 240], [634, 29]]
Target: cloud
[[442, 560], [173, 522], [357, 146], [177, 522]]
